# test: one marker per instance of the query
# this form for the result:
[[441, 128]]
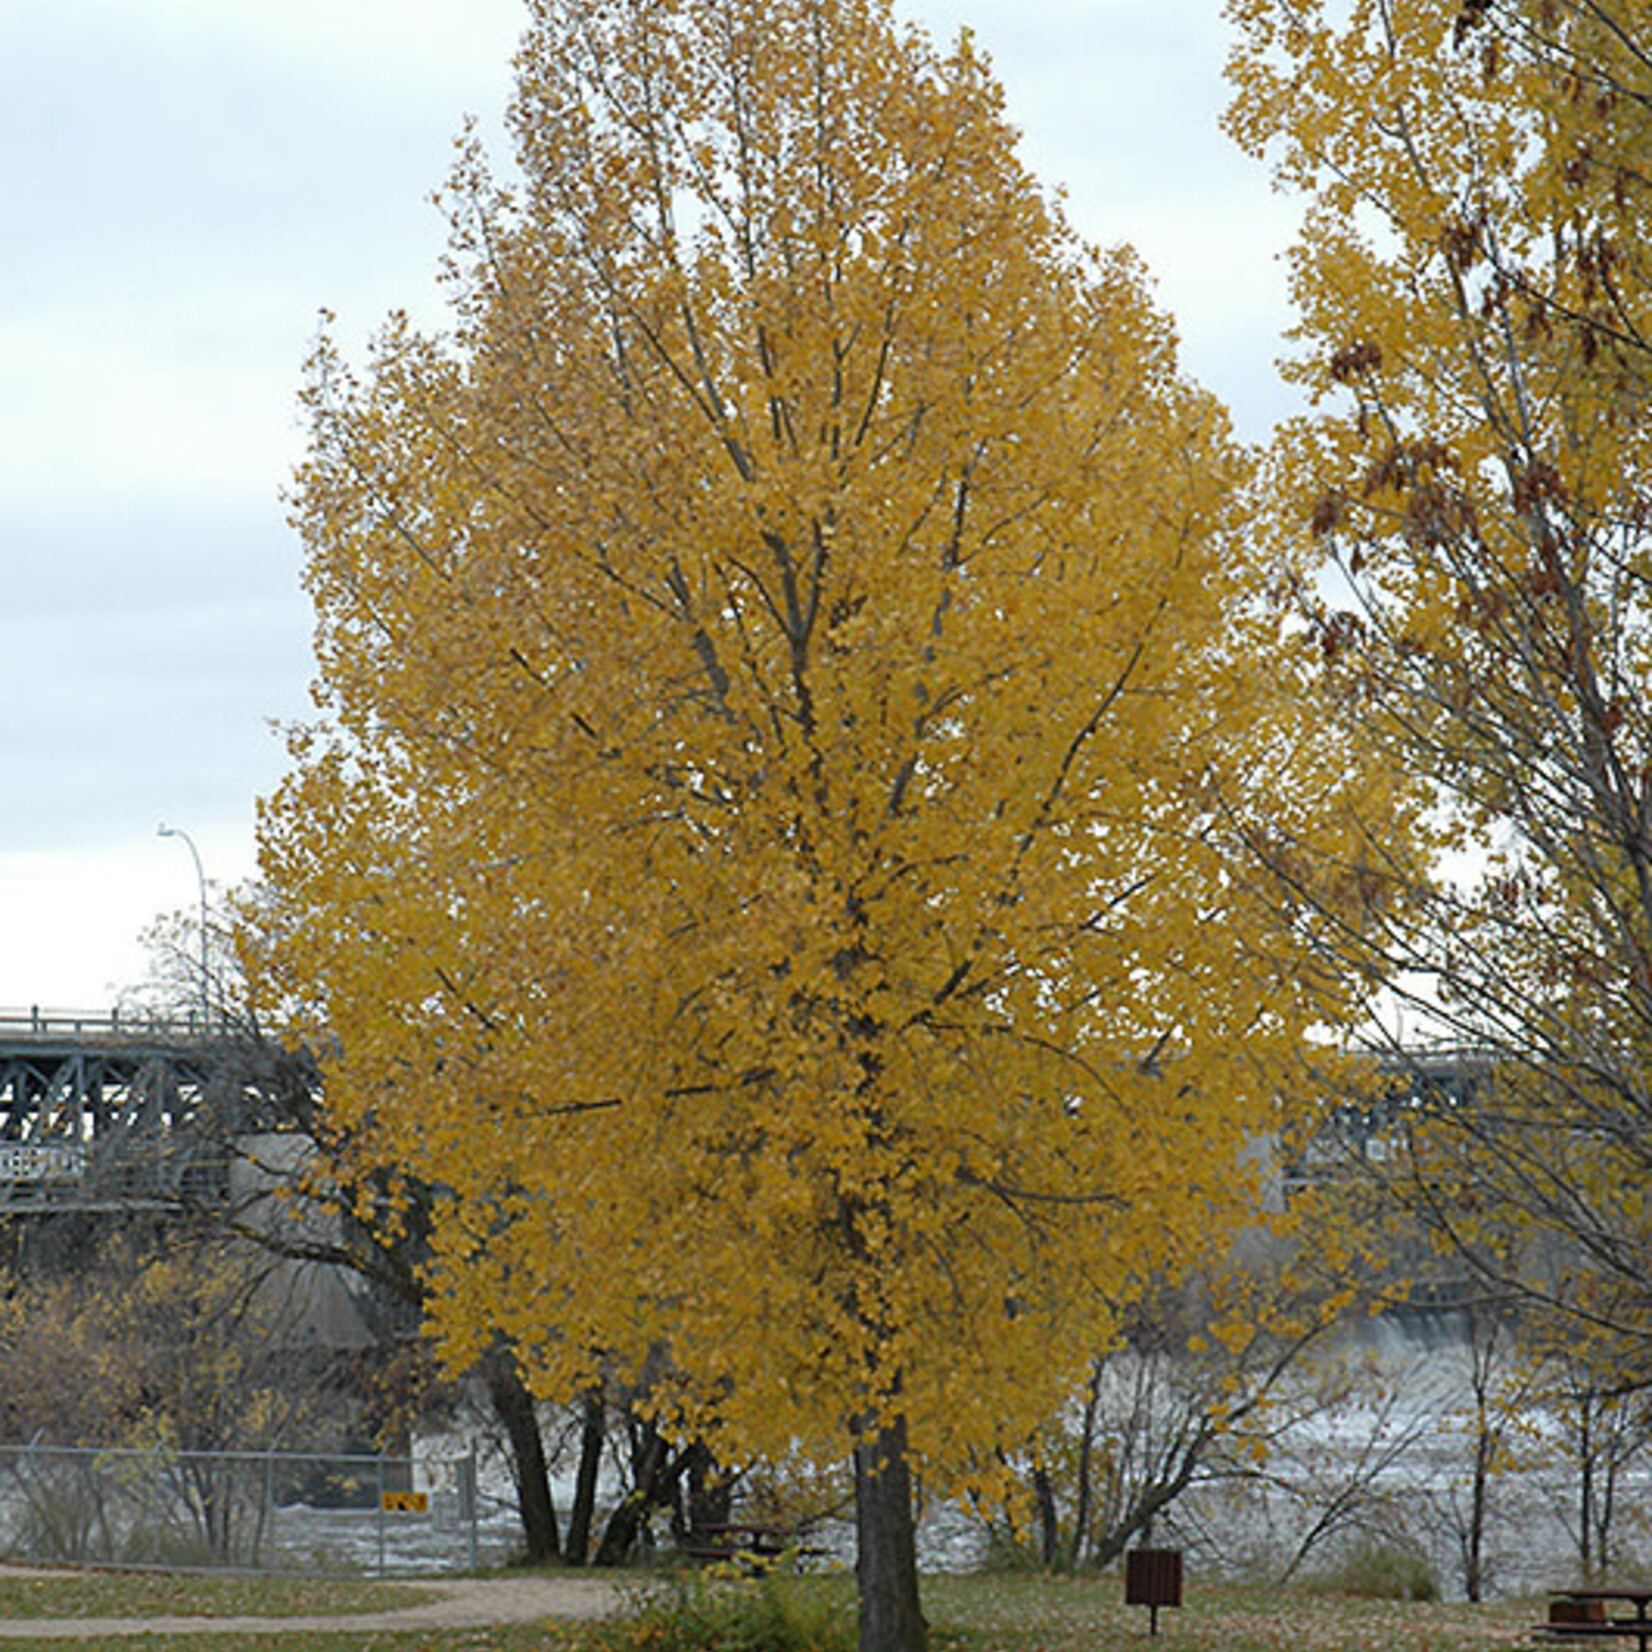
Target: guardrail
[[53, 1023]]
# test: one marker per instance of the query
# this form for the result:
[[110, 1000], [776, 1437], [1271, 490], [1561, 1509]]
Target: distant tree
[[188, 967], [1605, 1428], [1211, 1380], [181, 1344], [796, 686], [1493, 1420], [1472, 281]]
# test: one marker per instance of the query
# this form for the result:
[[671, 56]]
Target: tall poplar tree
[[1476, 309], [793, 690]]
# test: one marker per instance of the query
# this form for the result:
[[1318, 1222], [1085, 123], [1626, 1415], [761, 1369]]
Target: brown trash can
[[1153, 1578]]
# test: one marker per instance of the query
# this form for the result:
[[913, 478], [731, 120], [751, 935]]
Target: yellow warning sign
[[405, 1502]]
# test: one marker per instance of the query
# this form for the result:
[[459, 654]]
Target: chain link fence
[[242, 1511]]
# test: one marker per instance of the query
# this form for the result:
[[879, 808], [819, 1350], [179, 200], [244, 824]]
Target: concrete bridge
[[113, 1110]]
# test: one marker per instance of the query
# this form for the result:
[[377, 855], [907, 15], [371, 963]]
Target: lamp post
[[163, 830]]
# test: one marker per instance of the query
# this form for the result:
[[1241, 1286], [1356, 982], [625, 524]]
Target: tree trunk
[[1083, 1497], [710, 1490], [1474, 1539], [1049, 1524], [650, 1477], [886, 1558], [513, 1405], [591, 1435], [1586, 1487]]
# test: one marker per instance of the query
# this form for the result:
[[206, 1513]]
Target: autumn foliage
[[795, 693], [1472, 280]]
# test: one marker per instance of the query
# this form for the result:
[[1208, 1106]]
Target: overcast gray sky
[[185, 183]]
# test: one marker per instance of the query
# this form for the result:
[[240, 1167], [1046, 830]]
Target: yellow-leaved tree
[[794, 687], [1473, 285]]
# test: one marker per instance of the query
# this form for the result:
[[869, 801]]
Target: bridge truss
[[119, 1112]]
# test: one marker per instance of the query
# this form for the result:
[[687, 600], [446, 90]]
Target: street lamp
[[163, 830]]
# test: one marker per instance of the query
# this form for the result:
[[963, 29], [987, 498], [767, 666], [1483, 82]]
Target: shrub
[[698, 1613], [1380, 1571]]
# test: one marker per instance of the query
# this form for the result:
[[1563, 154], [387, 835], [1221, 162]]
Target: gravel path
[[459, 1603]]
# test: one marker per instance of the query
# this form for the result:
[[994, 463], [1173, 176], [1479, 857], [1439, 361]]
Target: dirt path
[[459, 1603]]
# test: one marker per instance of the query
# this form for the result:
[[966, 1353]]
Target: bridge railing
[[36, 1022]]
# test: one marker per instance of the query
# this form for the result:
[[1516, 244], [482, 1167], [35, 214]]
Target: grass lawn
[[98, 1594], [506, 1638], [1030, 1614], [991, 1613]]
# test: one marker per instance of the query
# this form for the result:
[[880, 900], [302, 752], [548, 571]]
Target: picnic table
[[744, 1542], [1588, 1614]]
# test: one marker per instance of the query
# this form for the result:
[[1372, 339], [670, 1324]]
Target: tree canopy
[[1472, 284], [795, 692]]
